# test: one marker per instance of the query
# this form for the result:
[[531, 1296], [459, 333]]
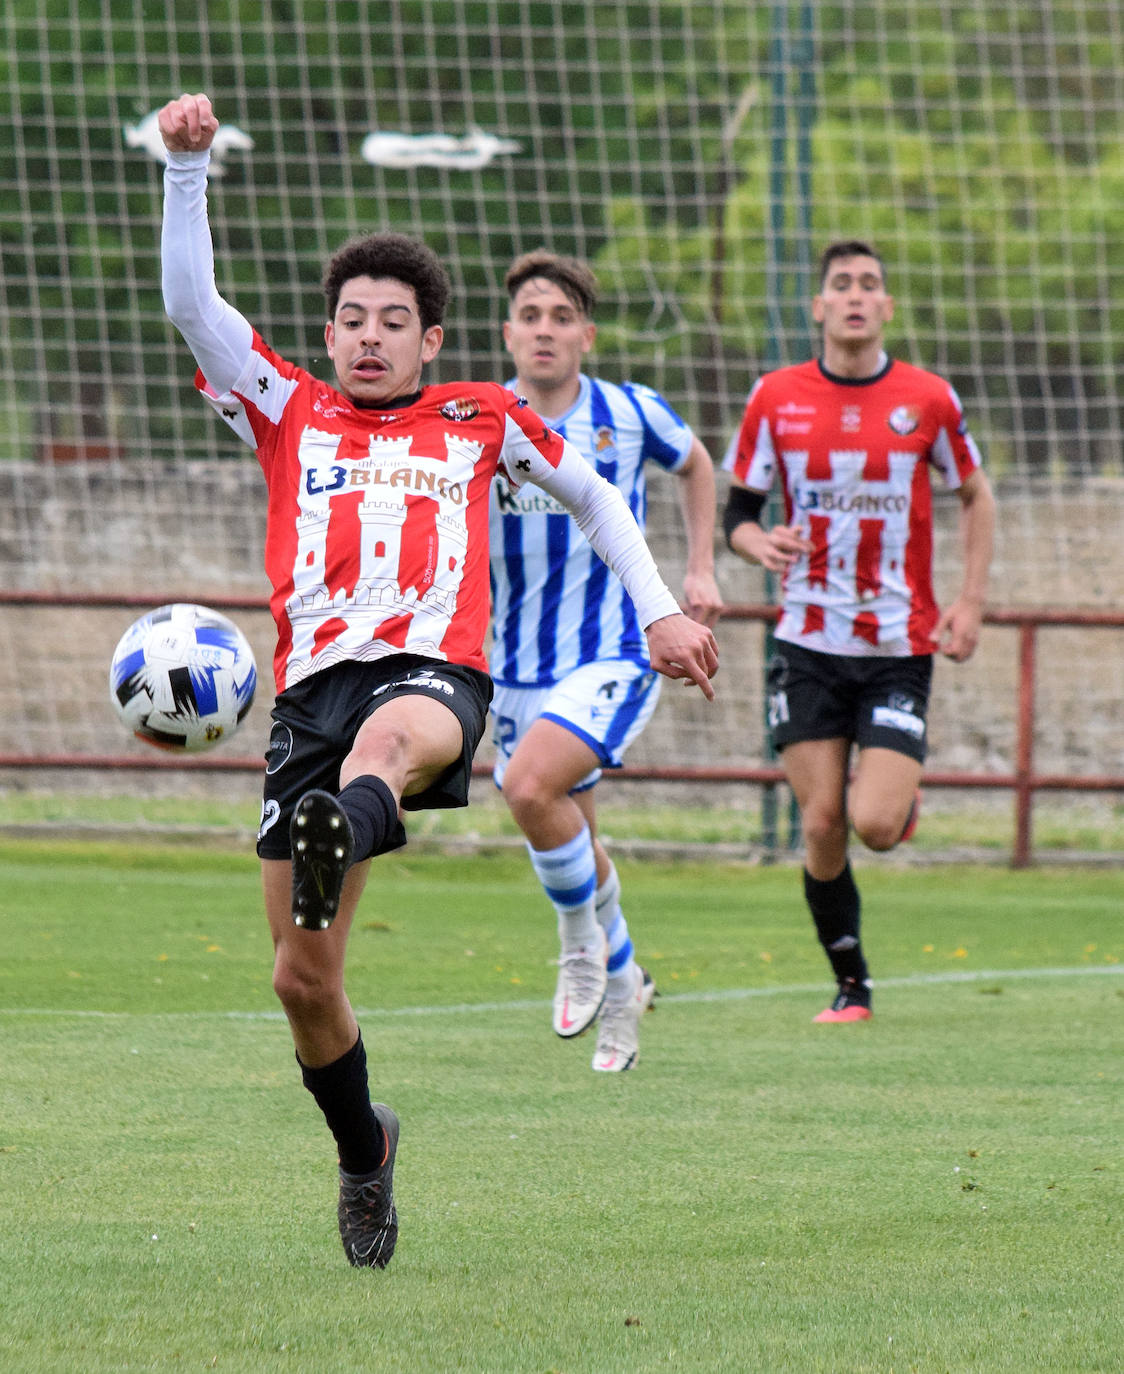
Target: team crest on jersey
[[904, 419], [461, 410], [605, 438]]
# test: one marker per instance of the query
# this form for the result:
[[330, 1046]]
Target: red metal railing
[[1023, 782]]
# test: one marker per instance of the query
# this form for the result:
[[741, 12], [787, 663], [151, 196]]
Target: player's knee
[[879, 829], [823, 825], [526, 794], [380, 748], [303, 991]]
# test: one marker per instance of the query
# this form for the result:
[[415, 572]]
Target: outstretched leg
[[310, 902]]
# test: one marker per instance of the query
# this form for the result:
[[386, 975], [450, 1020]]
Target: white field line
[[916, 980]]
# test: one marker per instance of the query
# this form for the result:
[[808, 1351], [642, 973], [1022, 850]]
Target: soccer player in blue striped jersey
[[574, 686]]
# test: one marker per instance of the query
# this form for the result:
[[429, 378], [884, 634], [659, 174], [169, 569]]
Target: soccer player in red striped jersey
[[377, 553], [853, 438]]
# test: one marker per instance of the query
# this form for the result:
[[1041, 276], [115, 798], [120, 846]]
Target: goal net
[[699, 154]]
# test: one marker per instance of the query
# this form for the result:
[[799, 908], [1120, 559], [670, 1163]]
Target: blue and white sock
[[569, 878], [622, 965]]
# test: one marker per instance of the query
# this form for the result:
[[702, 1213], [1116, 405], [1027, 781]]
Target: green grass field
[[940, 1189], [1065, 828]]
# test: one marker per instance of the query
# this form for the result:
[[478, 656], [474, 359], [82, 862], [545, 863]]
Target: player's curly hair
[[398, 256], [572, 276]]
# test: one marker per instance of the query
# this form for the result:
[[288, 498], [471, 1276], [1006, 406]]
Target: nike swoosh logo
[[321, 874]]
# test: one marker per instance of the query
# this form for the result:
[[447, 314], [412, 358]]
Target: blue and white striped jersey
[[555, 604]]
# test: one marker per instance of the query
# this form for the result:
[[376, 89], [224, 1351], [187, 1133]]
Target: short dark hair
[[572, 276], [848, 248], [398, 256]]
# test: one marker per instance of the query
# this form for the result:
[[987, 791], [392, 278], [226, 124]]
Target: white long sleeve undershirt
[[219, 337]]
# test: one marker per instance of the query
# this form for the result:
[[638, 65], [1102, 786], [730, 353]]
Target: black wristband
[[742, 504]]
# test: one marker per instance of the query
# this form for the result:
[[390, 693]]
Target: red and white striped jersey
[[377, 526], [377, 529], [854, 459]]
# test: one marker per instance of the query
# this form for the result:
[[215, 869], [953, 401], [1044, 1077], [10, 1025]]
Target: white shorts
[[606, 704]]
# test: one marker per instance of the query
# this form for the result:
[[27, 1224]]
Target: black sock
[[370, 806], [342, 1094], [836, 907]]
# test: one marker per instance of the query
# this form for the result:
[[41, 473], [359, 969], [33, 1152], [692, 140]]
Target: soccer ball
[[182, 677]]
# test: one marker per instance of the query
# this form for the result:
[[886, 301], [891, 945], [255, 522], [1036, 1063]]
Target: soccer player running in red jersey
[[377, 553], [853, 437]]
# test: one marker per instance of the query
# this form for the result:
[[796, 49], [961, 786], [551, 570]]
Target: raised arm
[[220, 339]]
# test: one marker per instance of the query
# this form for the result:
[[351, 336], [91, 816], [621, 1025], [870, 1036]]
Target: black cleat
[[368, 1217], [323, 845]]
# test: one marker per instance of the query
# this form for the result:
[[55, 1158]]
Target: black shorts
[[315, 723], [874, 702]]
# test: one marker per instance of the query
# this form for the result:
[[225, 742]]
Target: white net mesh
[[699, 154]]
